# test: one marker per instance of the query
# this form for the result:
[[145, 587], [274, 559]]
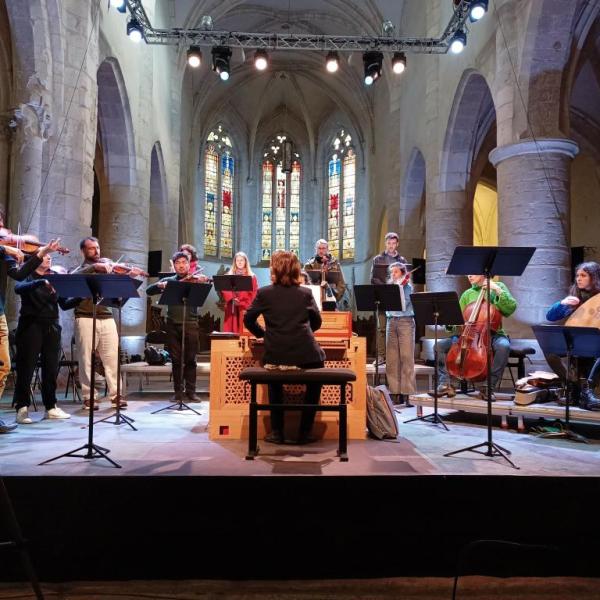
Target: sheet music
[[316, 292]]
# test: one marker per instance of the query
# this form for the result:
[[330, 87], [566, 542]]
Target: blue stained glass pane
[[334, 167], [210, 197]]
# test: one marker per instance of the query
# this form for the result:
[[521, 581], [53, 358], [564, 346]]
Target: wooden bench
[[257, 375], [142, 369]]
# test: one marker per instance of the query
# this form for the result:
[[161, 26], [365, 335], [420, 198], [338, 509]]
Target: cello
[[467, 358]]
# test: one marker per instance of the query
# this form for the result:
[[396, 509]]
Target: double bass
[[467, 358]]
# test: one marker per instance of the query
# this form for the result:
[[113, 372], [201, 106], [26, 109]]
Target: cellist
[[503, 300]]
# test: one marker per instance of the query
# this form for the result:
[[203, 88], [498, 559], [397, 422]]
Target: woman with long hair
[[291, 315], [586, 285], [237, 302]]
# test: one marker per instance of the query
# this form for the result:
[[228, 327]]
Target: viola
[[119, 268], [27, 243], [467, 358]]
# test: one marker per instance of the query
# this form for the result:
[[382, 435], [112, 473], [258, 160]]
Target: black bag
[[381, 416], [155, 356]]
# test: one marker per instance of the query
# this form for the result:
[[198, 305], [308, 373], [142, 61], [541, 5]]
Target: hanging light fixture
[[372, 61], [458, 43], [261, 60], [332, 62], [194, 57], [134, 30], [221, 55], [399, 62], [478, 10]]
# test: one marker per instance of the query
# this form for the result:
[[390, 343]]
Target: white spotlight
[[458, 43], [332, 62], [399, 62], [261, 60]]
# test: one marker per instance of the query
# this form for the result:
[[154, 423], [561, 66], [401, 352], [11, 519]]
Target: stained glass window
[[281, 182], [341, 196], [219, 204]]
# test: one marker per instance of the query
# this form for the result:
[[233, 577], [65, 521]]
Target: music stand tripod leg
[[119, 418], [92, 450]]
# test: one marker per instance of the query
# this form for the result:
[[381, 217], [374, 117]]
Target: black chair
[[516, 358]]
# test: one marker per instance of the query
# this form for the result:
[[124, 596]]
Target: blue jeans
[[500, 348]]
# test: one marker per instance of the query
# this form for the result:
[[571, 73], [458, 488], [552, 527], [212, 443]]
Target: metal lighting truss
[[297, 41]]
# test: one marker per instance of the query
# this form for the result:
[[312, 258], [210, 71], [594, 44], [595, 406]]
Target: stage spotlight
[[221, 56], [399, 62], [478, 10], [120, 5], [372, 61], [194, 57], [458, 43], [261, 60], [332, 62], [135, 31]]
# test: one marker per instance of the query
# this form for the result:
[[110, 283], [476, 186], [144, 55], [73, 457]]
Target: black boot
[[588, 400]]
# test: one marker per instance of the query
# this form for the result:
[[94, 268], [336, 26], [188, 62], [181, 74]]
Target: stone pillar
[[533, 210]]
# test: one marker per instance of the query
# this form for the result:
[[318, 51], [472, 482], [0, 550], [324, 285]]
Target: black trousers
[[313, 395], [37, 338], [174, 331], [582, 366]]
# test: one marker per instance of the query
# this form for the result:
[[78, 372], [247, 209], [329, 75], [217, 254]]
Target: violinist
[[39, 334], [587, 285], [385, 259], [192, 253], [175, 315], [236, 302], [107, 337], [505, 303], [400, 338], [323, 261], [11, 256]]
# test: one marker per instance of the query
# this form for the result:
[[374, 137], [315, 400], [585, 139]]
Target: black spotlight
[[221, 55], [372, 61]]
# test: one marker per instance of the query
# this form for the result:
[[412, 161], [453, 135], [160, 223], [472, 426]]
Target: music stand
[[235, 284], [183, 293], [578, 342], [436, 308], [489, 261], [120, 291], [84, 286], [375, 298]]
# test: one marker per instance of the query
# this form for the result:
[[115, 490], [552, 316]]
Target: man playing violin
[[502, 299], [107, 337], [174, 327], [13, 256], [39, 335]]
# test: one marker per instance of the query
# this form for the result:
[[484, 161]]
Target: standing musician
[[291, 315], [400, 338], [174, 326], [107, 337], [39, 334], [503, 300], [235, 302], [192, 253], [386, 258], [13, 256], [323, 261], [587, 285]]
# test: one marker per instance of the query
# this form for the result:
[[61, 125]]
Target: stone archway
[[450, 211], [412, 207], [158, 226], [123, 228]]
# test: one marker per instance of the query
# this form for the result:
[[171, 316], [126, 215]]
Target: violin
[[27, 243], [197, 277], [467, 358], [406, 278], [119, 268]]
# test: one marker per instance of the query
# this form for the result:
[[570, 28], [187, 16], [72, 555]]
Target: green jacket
[[504, 302]]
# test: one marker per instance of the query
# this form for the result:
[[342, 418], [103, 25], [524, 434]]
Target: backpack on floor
[[381, 417]]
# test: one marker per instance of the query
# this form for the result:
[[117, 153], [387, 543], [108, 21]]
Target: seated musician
[[503, 300], [587, 285], [235, 302], [291, 315], [174, 327], [323, 261], [400, 338]]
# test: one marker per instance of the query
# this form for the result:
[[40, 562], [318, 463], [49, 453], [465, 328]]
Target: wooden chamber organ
[[229, 397]]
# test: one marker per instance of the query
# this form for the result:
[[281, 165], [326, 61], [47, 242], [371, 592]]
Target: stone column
[[533, 210]]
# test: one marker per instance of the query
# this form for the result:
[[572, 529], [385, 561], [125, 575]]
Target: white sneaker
[[57, 413], [23, 416]]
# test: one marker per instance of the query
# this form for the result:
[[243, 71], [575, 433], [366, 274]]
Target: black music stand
[[120, 291], [489, 261], [317, 277], [375, 298], [183, 293], [436, 308], [84, 286], [235, 284], [572, 342]]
